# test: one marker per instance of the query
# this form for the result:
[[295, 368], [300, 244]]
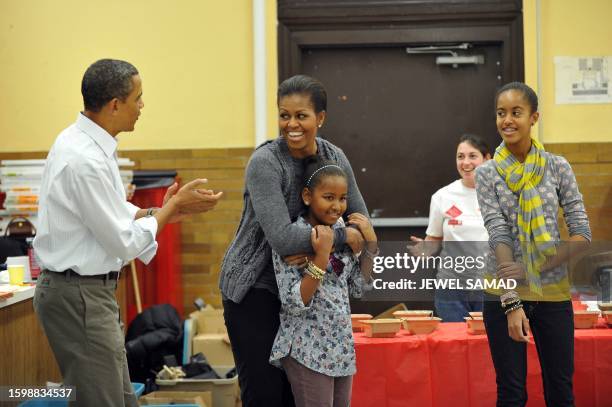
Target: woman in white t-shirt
[[454, 216]]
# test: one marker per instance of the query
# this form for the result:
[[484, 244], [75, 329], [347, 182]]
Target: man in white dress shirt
[[88, 231]]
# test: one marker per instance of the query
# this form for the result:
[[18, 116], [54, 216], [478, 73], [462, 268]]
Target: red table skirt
[[450, 367], [160, 281]]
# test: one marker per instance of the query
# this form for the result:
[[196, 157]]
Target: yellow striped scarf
[[523, 178]]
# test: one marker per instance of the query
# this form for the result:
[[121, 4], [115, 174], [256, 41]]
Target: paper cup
[[21, 261], [16, 274]]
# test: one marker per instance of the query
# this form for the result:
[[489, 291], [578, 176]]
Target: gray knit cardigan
[[272, 202]]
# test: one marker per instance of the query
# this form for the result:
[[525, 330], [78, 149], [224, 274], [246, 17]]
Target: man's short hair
[[105, 80]]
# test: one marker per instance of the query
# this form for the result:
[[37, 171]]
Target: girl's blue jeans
[[454, 305]]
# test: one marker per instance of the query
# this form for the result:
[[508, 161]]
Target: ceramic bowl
[[356, 321], [585, 319], [579, 305], [420, 325], [381, 328], [605, 306], [608, 316], [413, 314], [475, 325]]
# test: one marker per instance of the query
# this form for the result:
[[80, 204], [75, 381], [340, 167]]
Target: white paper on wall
[[583, 80]]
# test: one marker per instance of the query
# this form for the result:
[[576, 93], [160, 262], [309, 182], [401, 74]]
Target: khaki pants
[[81, 320]]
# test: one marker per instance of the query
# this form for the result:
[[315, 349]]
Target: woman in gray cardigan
[[272, 203]]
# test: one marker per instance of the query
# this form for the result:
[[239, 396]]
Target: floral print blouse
[[318, 335]]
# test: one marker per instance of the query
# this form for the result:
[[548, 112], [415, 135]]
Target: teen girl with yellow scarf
[[519, 194]]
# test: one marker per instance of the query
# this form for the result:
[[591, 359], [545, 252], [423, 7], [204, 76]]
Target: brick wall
[[592, 165], [204, 237]]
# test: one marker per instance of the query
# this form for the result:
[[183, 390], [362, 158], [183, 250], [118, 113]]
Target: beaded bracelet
[[316, 277], [510, 303], [509, 298], [314, 271], [370, 254], [514, 308]]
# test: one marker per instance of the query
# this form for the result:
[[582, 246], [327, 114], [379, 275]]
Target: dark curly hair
[[476, 142]]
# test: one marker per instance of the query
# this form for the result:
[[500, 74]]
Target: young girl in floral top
[[314, 343]]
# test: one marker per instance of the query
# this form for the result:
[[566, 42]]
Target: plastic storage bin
[[224, 391], [170, 405], [138, 390], [44, 403]]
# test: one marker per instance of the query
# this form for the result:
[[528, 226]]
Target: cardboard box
[[202, 399], [216, 348], [389, 312], [209, 321], [225, 392]]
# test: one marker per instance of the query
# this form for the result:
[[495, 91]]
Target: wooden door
[[398, 118]]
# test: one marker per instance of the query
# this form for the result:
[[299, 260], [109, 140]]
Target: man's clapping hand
[[191, 198]]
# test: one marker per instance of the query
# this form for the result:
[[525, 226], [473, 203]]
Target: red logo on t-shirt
[[454, 213]]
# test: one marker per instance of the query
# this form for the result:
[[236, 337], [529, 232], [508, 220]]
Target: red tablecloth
[[449, 367]]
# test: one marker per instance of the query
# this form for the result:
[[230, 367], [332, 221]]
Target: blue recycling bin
[[138, 390]]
